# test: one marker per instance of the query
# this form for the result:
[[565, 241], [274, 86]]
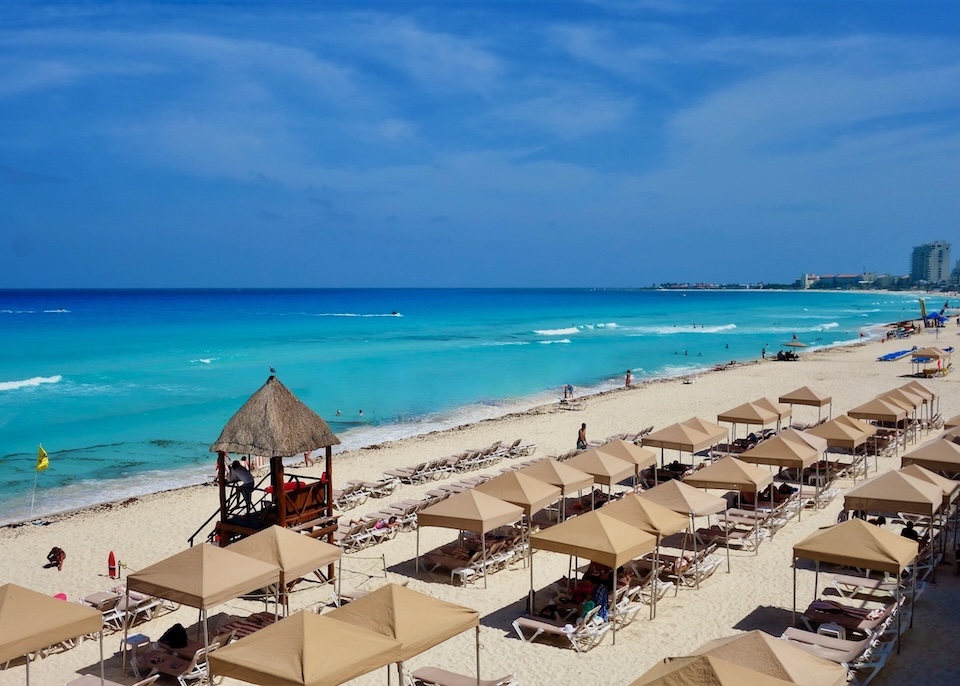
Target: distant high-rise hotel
[[930, 262]]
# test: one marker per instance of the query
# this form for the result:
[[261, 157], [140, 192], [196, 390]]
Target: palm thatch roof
[[274, 423]]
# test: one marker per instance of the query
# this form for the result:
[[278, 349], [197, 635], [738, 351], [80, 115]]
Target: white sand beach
[[757, 594]]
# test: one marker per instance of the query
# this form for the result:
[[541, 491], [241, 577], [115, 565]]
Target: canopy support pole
[[530, 562], [418, 550], [656, 575], [478, 653], [794, 622], [126, 628], [101, 658], [615, 570]]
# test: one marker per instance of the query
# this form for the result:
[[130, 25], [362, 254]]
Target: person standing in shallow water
[[629, 380], [582, 437]]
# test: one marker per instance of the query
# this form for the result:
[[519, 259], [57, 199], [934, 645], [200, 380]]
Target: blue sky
[[603, 143]]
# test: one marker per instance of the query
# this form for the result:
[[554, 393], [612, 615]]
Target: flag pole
[[42, 464], [34, 496]]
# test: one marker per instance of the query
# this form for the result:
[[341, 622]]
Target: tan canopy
[[204, 576], [879, 410], [776, 658], [952, 423], [715, 431], [521, 489], [806, 396], [782, 411], [704, 670], [274, 423], [952, 435], [729, 472], [895, 492], [939, 455], [855, 543], [560, 474], [605, 468], [903, 397], [782, 452], [470, 511], [305, 649], [636, 455], [679, 437], [646, 515], [858, 424], [839, 434], [295, 554], [948, 487], [30, 621], [598, 537], [930, 353], [417, 621], [749, 414], [816, 442], [917, 387], [685, 499]]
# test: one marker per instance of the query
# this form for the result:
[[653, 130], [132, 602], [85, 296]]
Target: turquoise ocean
[[126, 390]]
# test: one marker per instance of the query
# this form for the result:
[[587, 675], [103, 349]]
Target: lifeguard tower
[[275, 424]]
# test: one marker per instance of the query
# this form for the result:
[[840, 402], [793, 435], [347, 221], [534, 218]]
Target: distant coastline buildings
[[929, 268], [930, 263]]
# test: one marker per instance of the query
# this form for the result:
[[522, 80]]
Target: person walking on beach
[[582, 437], [629, 381]]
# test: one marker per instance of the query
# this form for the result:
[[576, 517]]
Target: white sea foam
[[57, 311], [561, 340], [355, 314], [669, 330], [29, 383], [557, 332], [205, 360], [17, 312], [499, 343]]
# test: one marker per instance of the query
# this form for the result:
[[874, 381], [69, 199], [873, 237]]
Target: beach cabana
[[679, 437], [203, 576], [748, 414], [855, 543], [775, 657], [417, 621], [686, 500], [295, 554], [949, 488], [704, 670], [783, 411], [604, 468], [650, 517], [807, 396], [911, 402], [937, 456], [818, 443], [522, 490], [952, 435], [560, 474], [786, 452], [597, 537], [638, 456], [305, 649], [842, 434], [884, 411], [31, 621], [932, 396], [715, 431], [469, 511], [731, 473], [926, 356], [895, 493], [274, 423]]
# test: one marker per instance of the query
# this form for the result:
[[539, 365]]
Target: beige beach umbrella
[[469, 511], [682, 438], [305, 649], [775, 657], [932, 396], [704, 670], [295, 554], [650, 517], [789, 452], [843, 432], [930, 354], [818, 443], [687, 500], [605, 468], [938, 456], [418, 621], [807, 396], [597, 537], [715, 431], [31, 621], [856, 543], [950, 489], [895, 492]]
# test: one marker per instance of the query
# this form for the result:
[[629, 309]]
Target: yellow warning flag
[[42, 460]]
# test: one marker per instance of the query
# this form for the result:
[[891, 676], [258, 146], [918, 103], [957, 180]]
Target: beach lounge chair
[[746, 540], [186, 672], [851, 586], [863, 659], [583, 636], [866, 620], [434, 676]]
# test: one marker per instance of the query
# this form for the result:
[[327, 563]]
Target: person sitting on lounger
[[910, 532]]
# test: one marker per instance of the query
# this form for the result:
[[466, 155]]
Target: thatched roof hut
[[274, 423]]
